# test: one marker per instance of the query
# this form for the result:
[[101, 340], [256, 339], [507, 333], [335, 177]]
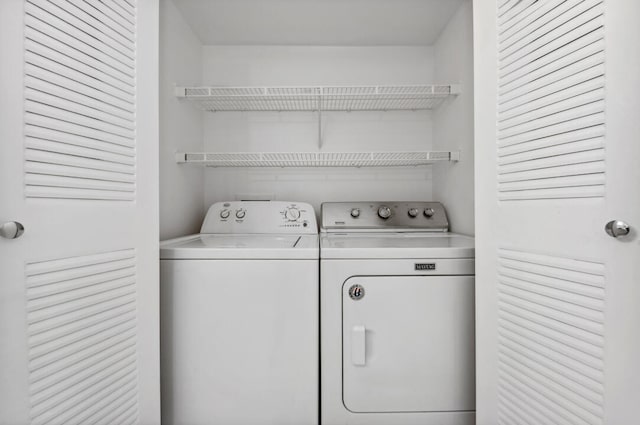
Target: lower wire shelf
[[315, 159]]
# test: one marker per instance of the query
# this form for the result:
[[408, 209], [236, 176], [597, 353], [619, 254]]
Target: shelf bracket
[[320, 129]]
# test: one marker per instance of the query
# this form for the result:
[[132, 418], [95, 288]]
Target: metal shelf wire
[[315, 159], [318, 98]]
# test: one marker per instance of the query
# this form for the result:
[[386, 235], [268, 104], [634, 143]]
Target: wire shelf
[[330, 98], [315, 159]]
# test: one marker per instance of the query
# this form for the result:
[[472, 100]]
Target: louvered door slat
[[75, 150], [82, 44], [78, 84], [512, 119], [125, 118], [512, 11], [80, 100], [100, 119], [104, 11], [585, 46], [76, 129], [551, 108], [57, 57], [90, 14], [54, 136], [575, 28], [533, 29], [534, 13], [75, 161], [95, 29]]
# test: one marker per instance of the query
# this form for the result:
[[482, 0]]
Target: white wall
[[181, 188], [362, 131], [453, 184]]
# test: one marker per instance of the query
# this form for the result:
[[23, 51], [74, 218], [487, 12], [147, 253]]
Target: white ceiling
[[318, 22]]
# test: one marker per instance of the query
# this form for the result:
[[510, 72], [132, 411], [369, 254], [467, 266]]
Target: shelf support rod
[[319, 129], [319, 103]]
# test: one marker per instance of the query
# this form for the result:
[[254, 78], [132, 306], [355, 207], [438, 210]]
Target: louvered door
[[557, 137], [78, 168]]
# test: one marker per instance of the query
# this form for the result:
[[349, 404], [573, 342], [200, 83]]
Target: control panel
[[391, 216], [260, 217]]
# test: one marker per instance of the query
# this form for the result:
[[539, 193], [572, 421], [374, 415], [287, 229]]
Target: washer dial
[[292, 214]]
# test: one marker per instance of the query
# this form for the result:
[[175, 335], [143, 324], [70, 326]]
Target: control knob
[[429, 212], [355, 213], [292, 214], [413, 212], [384, 212], [240, 214], [224, 214]]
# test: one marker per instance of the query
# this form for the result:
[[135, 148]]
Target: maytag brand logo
[[425, 266]]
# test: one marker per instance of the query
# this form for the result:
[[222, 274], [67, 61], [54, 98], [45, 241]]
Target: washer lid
[[396, 245], [219, 247]]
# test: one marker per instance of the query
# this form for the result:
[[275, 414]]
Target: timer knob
[[292, 214], [429, 212], [225, 213], [355, 213], [384, 212], [413, 212], [240, 214]]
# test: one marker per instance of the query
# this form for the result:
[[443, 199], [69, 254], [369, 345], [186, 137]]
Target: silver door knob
[[616, 228], [11, 230]]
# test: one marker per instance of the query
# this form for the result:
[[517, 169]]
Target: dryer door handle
[[358, 345]]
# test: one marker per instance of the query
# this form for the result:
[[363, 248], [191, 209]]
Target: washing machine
[[239, 318], [397, 316]]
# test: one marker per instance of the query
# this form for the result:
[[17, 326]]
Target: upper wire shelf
[[315, 159], [317, 98]]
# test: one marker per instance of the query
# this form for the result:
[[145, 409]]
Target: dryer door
[[408, 343]]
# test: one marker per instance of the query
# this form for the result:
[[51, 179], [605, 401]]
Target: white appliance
[[397, 316], [239, 317]]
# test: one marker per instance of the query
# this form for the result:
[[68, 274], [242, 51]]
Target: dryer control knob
[[384, 212], [429, 212], [240, 214], [224, 214], [355, 213], [413, 212]]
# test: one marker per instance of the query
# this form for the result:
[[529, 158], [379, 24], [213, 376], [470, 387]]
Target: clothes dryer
[[397, 316]]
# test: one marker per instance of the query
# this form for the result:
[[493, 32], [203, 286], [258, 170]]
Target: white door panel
[[404, 332], [79, 290], [556, 138]]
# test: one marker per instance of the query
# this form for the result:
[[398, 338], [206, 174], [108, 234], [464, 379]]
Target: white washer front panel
[[239, 342], [408, 344]]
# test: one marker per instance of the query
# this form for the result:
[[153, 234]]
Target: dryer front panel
[[408, 343]]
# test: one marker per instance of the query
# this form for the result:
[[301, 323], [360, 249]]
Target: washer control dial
[[355, 212], [240, 214], [224, 214], [384, 212], [429, 212], [292, 214], [413, 212]]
